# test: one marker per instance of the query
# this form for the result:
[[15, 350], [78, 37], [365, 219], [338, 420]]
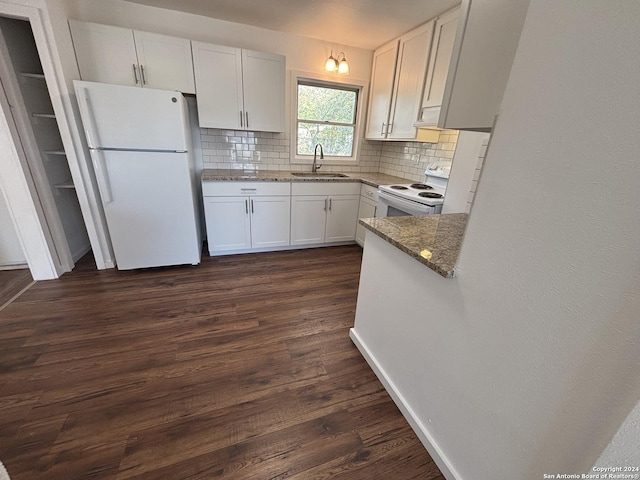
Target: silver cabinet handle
[[389, 128], [375, 210], [252, 206], [382, 129], [135, 73], [241, 124], [325, 204], [246, 206], [144, 78], [329, 204], [246, 116]]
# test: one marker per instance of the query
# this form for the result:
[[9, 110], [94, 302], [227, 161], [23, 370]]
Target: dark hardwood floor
[[239, 368], [12, 282]]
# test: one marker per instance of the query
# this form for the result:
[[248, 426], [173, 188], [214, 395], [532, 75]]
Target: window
[[326, 113]]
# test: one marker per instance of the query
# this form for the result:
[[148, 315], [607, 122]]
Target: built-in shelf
[[54, 152], [33, 75], [68, 184], [43, 115]]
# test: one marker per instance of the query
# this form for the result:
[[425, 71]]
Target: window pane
[[336, 140], [324, 104]]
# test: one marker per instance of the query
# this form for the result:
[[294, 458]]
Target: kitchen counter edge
[[433, 240], [373, 179]]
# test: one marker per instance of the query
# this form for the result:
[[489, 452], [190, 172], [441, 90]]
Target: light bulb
[[343, 67], [331, 65]]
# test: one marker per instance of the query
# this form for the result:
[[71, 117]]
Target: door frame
[[31, 224]]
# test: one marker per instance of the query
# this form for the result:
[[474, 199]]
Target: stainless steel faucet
[[315, 167]]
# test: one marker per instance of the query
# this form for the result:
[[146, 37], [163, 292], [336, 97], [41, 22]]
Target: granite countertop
[[433, 240], [370, 178]]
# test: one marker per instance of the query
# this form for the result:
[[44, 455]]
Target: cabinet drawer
[[367, 191], [231, 188], [325, 188]]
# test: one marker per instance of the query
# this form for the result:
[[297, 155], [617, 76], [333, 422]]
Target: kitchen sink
[[319, 175]]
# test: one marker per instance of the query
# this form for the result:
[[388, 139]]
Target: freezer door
[[132, 118], [148, 202]]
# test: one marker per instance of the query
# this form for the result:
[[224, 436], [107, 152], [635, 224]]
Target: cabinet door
[[264, 90], [308, 219], [228, 224], [218, 72], [270, 221], [366, 209], [382, 78], [441, 51], [165, 62], [342, 217], [410, 79], [485, 47], [105, 54]]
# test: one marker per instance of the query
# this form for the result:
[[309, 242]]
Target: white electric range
[[409, 199]]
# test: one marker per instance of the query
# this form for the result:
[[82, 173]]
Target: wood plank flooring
[[13, 282], [239, 368]]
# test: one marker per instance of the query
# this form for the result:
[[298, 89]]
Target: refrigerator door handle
[[102, 176], [89, 124]]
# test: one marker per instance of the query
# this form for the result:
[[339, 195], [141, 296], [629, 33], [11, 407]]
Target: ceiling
[[359, 23]]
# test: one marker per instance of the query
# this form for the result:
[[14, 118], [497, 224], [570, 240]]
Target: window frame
[[329, 81]]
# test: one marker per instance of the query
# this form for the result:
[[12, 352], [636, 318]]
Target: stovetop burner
[[421, 186], [399, 187], [429, 195]]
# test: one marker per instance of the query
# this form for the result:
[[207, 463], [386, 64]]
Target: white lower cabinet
[[260, 216], [246, 216], [228, 223], [308, 219], [341, 218], [366, 209], [323, 212], [270, 218]]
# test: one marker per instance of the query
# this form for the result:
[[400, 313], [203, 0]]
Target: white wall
[[623, 450], [10, 249], [528, 361]]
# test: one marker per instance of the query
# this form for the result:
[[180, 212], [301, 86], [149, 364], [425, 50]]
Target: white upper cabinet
[[482, 58], [218, 72], [397, 81], [239, 89], [108, 54], [441, 51], [105, 54], [263, 79], [165, 62], [382, 76], [410, 78]]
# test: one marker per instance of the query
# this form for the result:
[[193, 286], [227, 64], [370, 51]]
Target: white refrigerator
[[140, 145]]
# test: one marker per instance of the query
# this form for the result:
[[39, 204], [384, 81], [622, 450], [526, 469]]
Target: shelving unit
[[26, 87], [43, 115], [39, 76], [65, 185]]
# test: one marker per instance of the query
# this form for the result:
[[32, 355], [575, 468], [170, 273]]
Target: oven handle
[[394, 201]]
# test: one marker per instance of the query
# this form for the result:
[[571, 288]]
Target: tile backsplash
[[234, 149], [409, 159]]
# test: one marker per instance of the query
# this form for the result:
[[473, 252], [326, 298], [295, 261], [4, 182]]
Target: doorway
[[25, 92]]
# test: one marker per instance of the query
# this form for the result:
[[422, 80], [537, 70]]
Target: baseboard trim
[[418, 427], [14, 266]]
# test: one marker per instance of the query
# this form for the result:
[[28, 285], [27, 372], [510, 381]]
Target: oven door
[[391, 206]]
